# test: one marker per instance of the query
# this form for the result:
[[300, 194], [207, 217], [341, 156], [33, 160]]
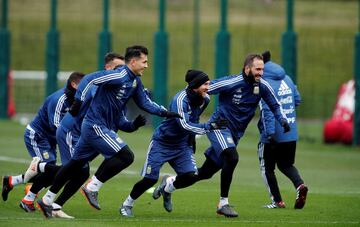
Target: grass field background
[[332, 173]]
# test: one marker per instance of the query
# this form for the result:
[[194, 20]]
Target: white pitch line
[[190, 220], [14, 160]]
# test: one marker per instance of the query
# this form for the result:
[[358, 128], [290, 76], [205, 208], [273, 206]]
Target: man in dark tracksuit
[[276, 147]]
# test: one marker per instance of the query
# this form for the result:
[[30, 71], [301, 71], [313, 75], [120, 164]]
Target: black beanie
[[196, 78]]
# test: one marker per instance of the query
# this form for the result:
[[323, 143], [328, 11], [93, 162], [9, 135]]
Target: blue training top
[[176, 131], [50, 114], [115, 88], [289, 97], [238, 101]]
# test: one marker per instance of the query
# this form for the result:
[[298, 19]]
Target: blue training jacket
[[73, 124], [176, 131], [115, 88], [238, 102], [289, 97], [50, 114]]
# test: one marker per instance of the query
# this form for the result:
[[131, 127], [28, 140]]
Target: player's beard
[[250, 78], [195, 98]]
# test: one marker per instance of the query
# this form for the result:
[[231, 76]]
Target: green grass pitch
[[331, 172]]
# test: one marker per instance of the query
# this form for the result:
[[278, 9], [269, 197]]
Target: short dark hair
[[134, 52], [111, 56], [76, 77], [250, 59]]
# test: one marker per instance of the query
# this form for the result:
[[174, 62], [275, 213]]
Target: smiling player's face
[[256, 70], [138, 65], [203, 89]]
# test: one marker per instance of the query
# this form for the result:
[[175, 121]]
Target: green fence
[[325, 33]]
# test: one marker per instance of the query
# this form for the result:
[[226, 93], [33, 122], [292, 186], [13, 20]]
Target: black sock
[[230, 159], [273, 185], [65, 173], [42, 180], [292, 173], [141, 186], [72, 186]]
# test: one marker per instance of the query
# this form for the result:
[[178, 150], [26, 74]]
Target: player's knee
[[186, 179], [126, 155], [230, 156], [76, 164], [284, 166], [269, 169], [148, 182]]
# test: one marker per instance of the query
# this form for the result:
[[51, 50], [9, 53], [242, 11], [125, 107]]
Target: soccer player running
[[239, 96], [276, 147], [115, 88], [40, 140], [67, 135], [170, 142]]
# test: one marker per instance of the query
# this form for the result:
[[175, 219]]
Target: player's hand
[[271, 139], [139, 121], [219, 123], [285, 125], [170, 114]]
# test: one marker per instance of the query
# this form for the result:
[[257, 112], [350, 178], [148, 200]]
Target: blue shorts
[[220, 140], [97, 139], [66, 141], [39, 145], [180, 159]]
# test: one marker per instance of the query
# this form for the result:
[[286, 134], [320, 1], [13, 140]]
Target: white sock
[[170, 184], [56, 206], [129, 201], [42, 167], [223, 201], [49, 197], [30, 196], [94, 185], [15, 180]]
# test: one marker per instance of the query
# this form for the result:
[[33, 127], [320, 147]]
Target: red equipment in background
[[11, 105], [339, 129]]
